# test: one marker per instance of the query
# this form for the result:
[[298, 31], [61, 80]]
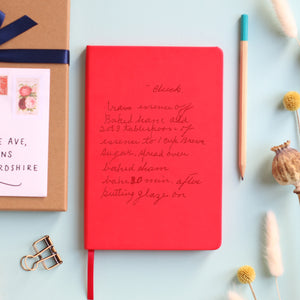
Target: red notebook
[[153, 164]]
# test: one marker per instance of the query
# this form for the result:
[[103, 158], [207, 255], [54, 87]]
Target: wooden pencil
[[243, 95]]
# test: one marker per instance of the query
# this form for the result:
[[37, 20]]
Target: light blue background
[[274, 69]]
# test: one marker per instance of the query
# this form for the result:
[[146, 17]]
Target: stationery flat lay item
[[243, 95], [41, 248], [24, 132], [153, 164], [32, 37]]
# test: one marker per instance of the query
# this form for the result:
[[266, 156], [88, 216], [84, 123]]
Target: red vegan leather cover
[[153, 160]]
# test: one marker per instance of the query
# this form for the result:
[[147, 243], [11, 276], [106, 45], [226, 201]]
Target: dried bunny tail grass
[[234, 296], [273, 251], [286, 18]]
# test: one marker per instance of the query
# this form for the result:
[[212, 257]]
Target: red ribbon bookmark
[[90, 287]]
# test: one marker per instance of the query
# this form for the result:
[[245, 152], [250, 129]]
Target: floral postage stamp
[[3, 85], [27, 96]]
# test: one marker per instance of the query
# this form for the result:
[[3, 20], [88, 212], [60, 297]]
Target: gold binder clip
[[48, 246]]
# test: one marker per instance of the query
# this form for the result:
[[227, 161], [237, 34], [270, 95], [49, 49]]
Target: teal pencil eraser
[[244, 28]]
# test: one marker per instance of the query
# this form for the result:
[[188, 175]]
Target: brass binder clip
[[48, 246]]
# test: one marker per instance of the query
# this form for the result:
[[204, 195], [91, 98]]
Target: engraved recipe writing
[[137, 147]]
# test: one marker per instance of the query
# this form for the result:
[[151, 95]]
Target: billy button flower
[[246, 275], [291, 101]]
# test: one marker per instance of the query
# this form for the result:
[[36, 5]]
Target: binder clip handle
[[24, 264], [39, 255]]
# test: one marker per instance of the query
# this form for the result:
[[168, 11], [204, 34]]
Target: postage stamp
[[27, 96], [3, 85]]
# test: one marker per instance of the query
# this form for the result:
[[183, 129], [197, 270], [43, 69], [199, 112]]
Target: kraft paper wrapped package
[[51, 32]]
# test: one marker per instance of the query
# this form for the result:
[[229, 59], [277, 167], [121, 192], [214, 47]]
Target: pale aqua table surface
[[274, 68]]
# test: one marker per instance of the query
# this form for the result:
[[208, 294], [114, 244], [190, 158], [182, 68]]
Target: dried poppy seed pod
[[286, 166]]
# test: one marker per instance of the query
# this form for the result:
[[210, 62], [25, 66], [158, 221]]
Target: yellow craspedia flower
[[291, 101], [246, 274]]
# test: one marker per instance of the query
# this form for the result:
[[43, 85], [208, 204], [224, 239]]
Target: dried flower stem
[[277, 287], [298, 121], [252, 290]]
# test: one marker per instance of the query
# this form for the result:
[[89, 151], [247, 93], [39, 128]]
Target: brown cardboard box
[[52, 32]]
